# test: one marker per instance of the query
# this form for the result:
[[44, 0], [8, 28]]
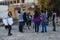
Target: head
[[9, 14], [36, 14], [42, 11], [54, 11], [23, 9], [19, 12]]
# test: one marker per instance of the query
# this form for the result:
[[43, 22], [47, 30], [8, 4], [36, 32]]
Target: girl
[[29, 19], [8, 21], [43, 21], [20, 19], [36, 20]]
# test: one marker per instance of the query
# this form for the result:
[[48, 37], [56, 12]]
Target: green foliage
[[49, 4]]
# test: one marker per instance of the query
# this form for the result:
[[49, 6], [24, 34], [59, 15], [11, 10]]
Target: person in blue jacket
[[20, 20], [43, 21]]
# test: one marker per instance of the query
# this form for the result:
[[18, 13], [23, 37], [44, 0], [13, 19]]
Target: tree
[[55, 4], [43, 4]]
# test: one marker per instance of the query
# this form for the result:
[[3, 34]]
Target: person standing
[[43, 21], [29, 19], [47, 16], [24, 17], [36, 20], [54, 20], [20, 19], [8, 21]]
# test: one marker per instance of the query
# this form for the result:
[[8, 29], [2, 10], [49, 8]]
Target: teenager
[[36, 20], [8, 21], [20, 19], [54, 20], [43, 21], [29, 19], [24, 17]]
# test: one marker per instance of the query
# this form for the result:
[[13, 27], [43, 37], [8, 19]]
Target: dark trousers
[[21, 26], [24, 22], [6, 27], [9, 29], [28, 23], [36, 26], [54, 27]]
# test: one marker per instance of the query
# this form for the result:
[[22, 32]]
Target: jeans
[[44, 27], [36, 26]]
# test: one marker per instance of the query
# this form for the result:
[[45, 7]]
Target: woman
[[54, 20], [43, 21], [36, 20], [29, 19], [8, 21], [21, 20]]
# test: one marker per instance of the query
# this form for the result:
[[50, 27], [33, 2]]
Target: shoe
[[10, 34], [54, 30], [21, 31], [42, 31], [45, 31]]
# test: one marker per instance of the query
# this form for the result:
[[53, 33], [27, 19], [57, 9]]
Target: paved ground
[[30, 34]]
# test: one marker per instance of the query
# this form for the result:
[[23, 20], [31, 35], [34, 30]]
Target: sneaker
[[54, 30], [45, 31], [42, 31], [10, 34]]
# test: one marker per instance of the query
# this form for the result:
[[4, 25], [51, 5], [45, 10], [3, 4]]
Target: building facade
[[15, 5]]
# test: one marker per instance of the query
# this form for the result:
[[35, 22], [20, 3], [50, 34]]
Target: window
[[23, 1], [18, 1], [14, 1], [6, 3], [11, 2]]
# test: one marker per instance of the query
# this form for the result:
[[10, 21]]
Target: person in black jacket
[[54, 20], [24, 17], [29, 19]]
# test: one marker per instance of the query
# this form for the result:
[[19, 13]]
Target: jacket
[[8, 21], [37, 19]]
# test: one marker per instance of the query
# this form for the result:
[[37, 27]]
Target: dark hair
[[23, 9], [42, 11], [19, 12], [9, 14], [54, 11], [36, 14]]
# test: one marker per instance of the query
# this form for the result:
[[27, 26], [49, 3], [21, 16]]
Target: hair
[[23, 9], [36, 14], [54, 11], [42, 11], [19, 12], [10, 13]]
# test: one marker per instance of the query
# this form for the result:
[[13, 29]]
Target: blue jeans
[[44, 27], [36, 26]]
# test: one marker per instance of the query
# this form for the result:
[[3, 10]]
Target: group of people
[[43, 19], [26, 18]]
